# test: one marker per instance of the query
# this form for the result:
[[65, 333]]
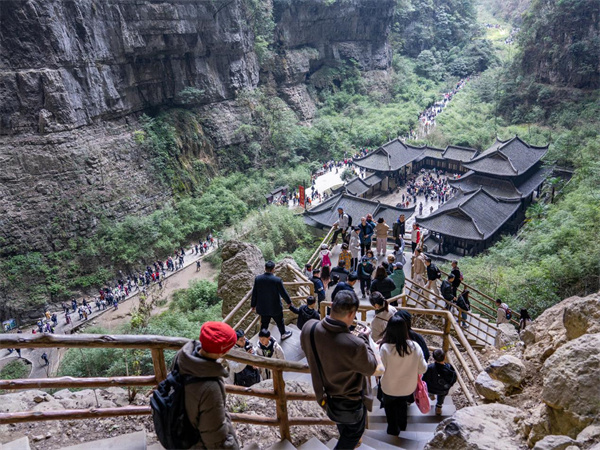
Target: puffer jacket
[[205, 399]]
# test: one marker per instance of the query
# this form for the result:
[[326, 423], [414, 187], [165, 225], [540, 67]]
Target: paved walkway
[[33, 356]]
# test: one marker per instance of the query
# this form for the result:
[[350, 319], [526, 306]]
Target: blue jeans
[[350, 434]]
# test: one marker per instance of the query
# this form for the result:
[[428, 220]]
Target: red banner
[[301, 196]]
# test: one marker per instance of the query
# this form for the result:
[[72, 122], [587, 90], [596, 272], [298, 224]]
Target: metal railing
[[157, 345]]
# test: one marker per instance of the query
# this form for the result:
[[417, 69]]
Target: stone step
[[282, 445], [333, 442], [251, 446], [313, 444], [406, 440], [18, 444], [131, 441]]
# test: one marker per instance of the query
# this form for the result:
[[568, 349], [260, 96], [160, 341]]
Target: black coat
[[457, 275], [385, 287], [341, 286], [414, 336], [266, 295], [433, 273], [304, 314], [447, 291], [439, 378]]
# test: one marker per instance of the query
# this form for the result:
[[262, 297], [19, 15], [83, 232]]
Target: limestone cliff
[[76, 74]]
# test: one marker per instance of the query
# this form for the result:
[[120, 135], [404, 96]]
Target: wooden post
[[158, 361], [404, 300], [281, 404], [447, 326]]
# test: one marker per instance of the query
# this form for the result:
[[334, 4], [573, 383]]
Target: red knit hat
[[217, 337]]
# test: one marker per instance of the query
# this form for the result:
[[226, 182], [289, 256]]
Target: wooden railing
[[157, 345], [489, 306], [448, 345], [420, 298], [315, 258]]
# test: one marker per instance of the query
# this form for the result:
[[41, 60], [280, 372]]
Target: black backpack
[[171, 423], [349, 220], [247, 377]]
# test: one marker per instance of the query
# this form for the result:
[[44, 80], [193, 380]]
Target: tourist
[[326, 276], [306, 312], [355, 246], [399, 253], [345, 285], [399, 228], [269, 348], [502, 309], [366, 230], [266, 299], [381, 232], [244, 374], [458, 277], [399, 280], [414, 336], [433, 273], [341, 271], [383, 313], [365, 271], [308, 271], [525, 319], [318, 285], [415, 237], [440, 377], [382, 283], [446, 292], [325, 256], [419, 269], [403, 361], [341, 226], [346, 257], [464, 304], [45, 359], [341, 364], [205, 403]]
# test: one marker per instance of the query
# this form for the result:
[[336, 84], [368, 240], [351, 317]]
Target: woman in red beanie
[[205, 399]]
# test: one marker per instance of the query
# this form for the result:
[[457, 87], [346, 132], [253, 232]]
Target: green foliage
[[14, 370], [190, 96], [199, 294], [277, 231]]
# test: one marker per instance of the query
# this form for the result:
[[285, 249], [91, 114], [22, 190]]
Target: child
[[345, 256], [244, 374], [440, 377], [205, 398], [306, 312], [325, 256], [269, 348]]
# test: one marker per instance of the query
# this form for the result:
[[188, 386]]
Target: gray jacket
[[205, 400]]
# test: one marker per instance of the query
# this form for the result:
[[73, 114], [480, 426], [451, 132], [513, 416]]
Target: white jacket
[[342, 221], [401, 372], [354, 244]]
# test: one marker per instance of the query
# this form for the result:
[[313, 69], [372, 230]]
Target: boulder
[[554, 443], [546, 333], [582, 316], [507, 336], [489, 388], [589, 436], [482, 427], [537, 425], [571, 387], [242, 262], [508, 369]]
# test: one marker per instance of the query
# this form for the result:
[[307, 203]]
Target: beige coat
[[381, 230]]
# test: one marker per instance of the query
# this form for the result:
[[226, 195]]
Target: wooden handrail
[[472, 289], [146, 341], [72, 382], [237, 307]]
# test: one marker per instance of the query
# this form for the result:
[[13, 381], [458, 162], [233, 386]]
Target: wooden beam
[[26, 340], [71, 414], [281, 405], [295, 421], [160, 367], [71, 382], [253, 420]]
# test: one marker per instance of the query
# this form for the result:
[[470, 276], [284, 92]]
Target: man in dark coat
[[457, 278], [266, 299], [345, 285]]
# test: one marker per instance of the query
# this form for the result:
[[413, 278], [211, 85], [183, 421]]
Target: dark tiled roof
[[358, 186], [456, 153], [500, 188], [325, 214], [389, 157], [476, 216], [507, 158]]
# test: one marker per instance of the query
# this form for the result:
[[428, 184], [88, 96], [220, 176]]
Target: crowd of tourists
[[430, 184], [427, 117]]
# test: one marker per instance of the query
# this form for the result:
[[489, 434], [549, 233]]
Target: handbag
[[422, 396], [339, 409]]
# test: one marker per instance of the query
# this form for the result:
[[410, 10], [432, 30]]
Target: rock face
[[507, 335], [66, 63], [545, 334], [582, 317], [554, 443], [479, 427], [571, 387], [242, 262]]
